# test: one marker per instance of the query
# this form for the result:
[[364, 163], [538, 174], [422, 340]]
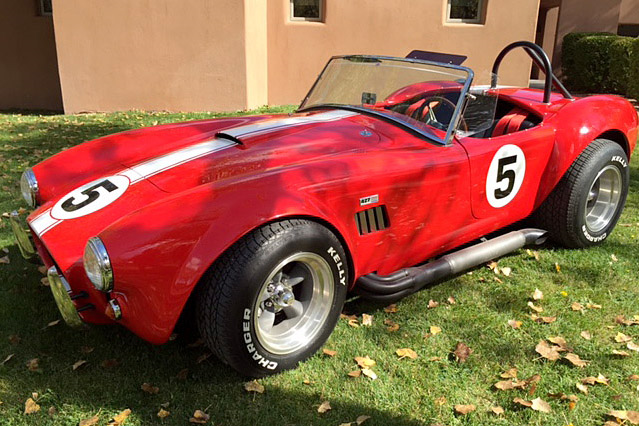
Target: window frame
[[294, 18], [42, 11], [481, 13]]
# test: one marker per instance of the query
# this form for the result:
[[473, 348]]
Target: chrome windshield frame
[[454, 122]]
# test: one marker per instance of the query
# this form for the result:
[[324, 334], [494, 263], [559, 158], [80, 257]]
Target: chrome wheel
[[603, 199], [293, 303]]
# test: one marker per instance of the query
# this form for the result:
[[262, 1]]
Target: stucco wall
[[297, 51], [28, 70], [151, 54], [629, 13], [585, 15]]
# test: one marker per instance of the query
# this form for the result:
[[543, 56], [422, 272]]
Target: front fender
[[159, 253], [579, 123]]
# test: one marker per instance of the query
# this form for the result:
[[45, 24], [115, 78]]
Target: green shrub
[[586, 59], [633, 70], [619, 74]]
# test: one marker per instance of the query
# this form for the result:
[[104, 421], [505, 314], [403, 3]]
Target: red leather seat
[[510, 122]]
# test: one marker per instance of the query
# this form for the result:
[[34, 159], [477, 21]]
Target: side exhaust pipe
[[407, 281]]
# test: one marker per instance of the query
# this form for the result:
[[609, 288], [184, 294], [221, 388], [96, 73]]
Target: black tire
[[564, 213], [235, 321]]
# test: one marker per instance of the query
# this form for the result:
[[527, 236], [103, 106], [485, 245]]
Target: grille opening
[[372, 220]]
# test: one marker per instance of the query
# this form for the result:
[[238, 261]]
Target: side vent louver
[[371, 220]]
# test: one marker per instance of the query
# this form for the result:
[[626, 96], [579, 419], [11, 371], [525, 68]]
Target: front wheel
[[273, 298], [585, 206]]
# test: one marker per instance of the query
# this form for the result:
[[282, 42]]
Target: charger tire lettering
[[250, 347], [338, 262]]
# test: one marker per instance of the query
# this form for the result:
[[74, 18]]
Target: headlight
[[29, 187], [97, 265]]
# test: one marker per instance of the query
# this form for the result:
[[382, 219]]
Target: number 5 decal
[[505, 175], [90, 198]]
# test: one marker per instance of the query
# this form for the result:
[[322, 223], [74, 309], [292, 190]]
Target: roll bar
[[540, 59]]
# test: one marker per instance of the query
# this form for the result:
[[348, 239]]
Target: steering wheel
[[426, 113]]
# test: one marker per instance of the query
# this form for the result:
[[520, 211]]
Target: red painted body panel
[[166, 230]]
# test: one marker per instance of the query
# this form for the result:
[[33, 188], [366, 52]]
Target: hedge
[[601, 63]]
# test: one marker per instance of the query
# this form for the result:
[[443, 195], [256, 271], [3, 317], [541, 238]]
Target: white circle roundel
[[505, 175], [90, 198]]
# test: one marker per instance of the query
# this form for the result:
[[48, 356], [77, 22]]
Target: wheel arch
[[617, 136]]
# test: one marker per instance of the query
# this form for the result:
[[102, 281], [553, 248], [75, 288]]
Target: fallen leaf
[[119, 419], [52, 411], [464, 409], [537, 294], [5, 260], [510, 384], [509, 374], [576, 306], [506, 271], [308, 382], [497, 410], [203, 358], [522, 402], [182, 374], [590, 380], [633, 346], [462, 352], [253, 386], [406, 353], [324, 407], [631, 416], [543, 320], [7, 359], [432, 304], [91, 421], [515, 324], [620, 353], [78, 364], [586, 335], [441, 401], [391, 309], [86, 349], [547, 351], [535, 308], [557, 268], [392, 325], [365, 362], [367, 320], [633, 377], [30, 406], [53, 323], [451, 300], [369, 373], [582, 388], [33, 364], [44, 282], [14, 339], [620, 319], [42, 269], [435, 330], [199, 417], [593, 306], [329, 352], [148, 388], [561, 342], [163, 413], [493, 266], [564, 293], [614, 258], [355, 373], [353, 323], [539, 404], [534, 254], [575, 360], [622, 338], [361, 419]]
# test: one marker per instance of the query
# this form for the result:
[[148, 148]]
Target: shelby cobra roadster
[[264, 224]]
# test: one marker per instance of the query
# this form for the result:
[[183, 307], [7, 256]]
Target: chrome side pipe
[[407, 281]]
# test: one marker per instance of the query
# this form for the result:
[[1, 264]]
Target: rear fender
[[160, 253], [579, 123]]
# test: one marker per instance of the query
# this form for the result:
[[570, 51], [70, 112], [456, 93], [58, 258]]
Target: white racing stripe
[[45, 221]]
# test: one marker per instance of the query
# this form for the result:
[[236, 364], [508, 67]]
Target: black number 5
[[505, 174], [92, 194]]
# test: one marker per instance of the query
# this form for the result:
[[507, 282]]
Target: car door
[[506, 172]]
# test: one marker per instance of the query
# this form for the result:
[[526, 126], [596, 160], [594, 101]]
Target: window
[[307, 10], [466, 11], [45, 7]]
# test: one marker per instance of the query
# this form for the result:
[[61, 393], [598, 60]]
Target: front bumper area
[[23, 238], [61, 289]]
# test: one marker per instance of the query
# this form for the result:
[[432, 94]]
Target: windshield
[[425, 97]]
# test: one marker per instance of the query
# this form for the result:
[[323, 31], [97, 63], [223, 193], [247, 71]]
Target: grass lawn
[[419, 391]]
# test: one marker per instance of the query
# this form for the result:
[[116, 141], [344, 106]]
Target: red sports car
[[263, 224]]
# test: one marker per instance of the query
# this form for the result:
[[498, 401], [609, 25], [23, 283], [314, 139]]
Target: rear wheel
[[585, 206], [274, 297]]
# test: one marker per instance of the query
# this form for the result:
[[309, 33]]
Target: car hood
[[87, 188]]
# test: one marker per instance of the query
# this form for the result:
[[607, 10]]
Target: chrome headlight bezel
[[97, 265], [29, 187]]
